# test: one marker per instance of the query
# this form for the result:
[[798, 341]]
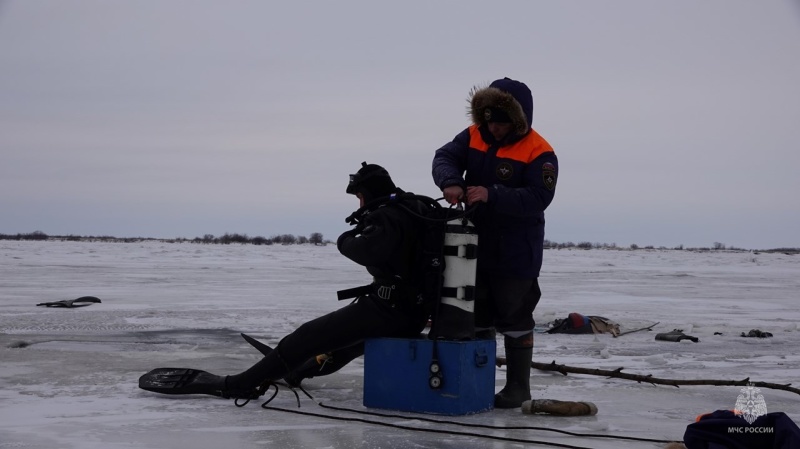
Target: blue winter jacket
[[520, 174]]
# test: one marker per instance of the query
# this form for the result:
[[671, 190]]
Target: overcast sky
[[675, 122]]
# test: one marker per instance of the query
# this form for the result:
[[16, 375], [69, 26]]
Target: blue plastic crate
[[397, 375]]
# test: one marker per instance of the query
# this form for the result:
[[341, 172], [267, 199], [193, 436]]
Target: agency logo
[[750, 404], [504, 171]]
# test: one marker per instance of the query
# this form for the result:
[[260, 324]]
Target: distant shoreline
[[316, 239]]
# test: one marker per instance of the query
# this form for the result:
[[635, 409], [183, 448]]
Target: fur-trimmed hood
[[512, 97]]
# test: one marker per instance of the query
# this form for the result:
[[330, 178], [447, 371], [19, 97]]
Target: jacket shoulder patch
[[549, 175]]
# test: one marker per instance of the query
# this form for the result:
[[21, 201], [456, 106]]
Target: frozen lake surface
[[68, 377]]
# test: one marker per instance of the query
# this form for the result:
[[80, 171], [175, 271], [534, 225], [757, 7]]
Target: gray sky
[[675, 122]]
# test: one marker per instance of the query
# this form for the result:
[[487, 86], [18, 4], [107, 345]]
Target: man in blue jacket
[[505, 169]]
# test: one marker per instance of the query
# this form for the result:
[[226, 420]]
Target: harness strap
[[470, 251], [386, 290], [354, 292], [452, 292]]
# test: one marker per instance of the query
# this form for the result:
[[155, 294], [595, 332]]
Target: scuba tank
[[446, 266], [454, 318]]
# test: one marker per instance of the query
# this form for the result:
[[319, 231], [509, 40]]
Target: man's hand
[[477, 194], [453, 194]]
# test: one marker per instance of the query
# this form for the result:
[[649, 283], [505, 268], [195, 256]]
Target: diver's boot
[[324, 364], [518, 373], [312, 367]]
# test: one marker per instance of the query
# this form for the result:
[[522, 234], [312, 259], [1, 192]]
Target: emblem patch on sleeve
[[549, 175]]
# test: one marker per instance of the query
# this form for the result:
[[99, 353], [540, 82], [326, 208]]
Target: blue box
[[398, 375]]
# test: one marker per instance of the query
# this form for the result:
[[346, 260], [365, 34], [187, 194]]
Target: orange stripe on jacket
[[529, 148]]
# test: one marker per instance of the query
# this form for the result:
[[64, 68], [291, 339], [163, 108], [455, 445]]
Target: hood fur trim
[[483, 97]]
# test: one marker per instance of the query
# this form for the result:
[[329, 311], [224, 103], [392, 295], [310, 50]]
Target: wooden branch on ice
[[618, 374]]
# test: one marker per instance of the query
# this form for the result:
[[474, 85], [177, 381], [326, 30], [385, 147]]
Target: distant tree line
[[284, 239], [316, 238], [716, 247]]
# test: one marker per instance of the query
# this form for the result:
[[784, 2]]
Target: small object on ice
[[757, 333], [675, 446], [72, 303], [646, 328], [675, 335], [558, 408]]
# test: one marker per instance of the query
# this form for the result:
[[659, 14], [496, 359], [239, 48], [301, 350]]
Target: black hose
[[448, 422]]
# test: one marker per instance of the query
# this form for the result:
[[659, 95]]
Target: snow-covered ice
[[68, 377]]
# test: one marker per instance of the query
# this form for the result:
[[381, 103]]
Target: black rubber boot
[[518, 376]]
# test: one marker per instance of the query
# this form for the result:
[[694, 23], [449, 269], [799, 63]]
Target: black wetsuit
[[386, 243]]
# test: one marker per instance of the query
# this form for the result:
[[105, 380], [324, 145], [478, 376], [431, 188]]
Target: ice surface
[[68, 377]]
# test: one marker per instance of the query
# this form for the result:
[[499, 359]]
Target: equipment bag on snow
[[575, 323], [724, 429]]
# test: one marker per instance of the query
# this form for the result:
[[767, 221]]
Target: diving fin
[[182, 381], [190, 381], [262, 348], [72, 303]]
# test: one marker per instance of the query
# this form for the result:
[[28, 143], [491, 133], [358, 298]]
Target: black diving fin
[[182, 381], [72, 303], [262, 348], [191, 381], [195, 381]]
